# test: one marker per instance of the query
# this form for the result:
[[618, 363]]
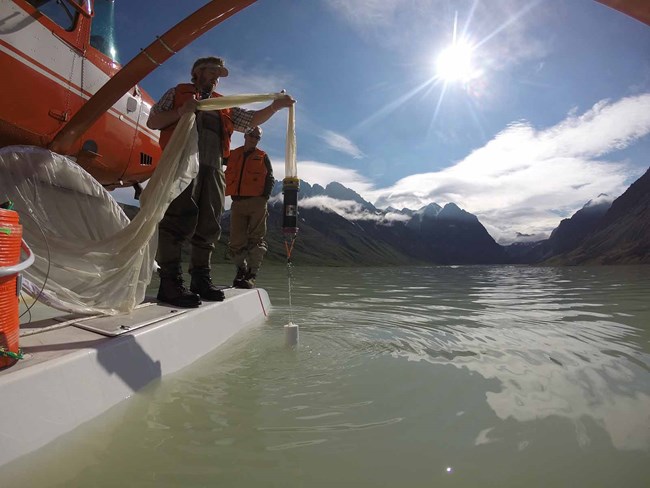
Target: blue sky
[[552, 110]]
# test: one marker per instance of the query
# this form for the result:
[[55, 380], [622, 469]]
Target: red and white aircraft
[[63, 89]]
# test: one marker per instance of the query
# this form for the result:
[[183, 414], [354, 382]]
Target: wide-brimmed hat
[[210, 62]]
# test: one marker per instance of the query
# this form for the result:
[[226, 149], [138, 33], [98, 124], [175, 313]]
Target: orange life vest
[[184, 92], [246, 177]]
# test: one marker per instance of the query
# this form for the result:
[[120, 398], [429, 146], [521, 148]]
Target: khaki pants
[[247, 232]]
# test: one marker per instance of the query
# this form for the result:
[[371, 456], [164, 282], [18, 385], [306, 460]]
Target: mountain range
[[620, 236], [339, 228]]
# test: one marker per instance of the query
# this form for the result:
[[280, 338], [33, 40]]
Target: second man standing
[[249, 181]]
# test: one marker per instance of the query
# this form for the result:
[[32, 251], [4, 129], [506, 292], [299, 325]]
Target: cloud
[[342, 144], [315, 172], [349, 209], [526, 180]]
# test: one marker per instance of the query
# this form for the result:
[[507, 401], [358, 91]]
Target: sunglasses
[[253, 136]]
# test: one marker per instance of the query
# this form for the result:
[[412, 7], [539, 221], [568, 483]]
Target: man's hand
[[188, 107], [282, 102], [262, 115]]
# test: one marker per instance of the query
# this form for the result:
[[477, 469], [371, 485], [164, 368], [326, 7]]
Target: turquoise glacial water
[[469, 376]]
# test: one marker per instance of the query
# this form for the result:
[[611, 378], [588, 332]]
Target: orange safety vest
[[184, 92], [246, 177]]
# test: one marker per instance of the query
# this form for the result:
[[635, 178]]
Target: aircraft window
[[57, 11], [102, 31]]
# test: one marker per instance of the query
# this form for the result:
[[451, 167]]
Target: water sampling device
[[290, 188]]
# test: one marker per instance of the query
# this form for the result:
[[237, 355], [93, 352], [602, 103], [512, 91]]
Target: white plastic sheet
[[290, 169], [89, 256]]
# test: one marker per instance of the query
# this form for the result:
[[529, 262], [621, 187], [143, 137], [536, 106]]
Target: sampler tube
[[290, 188]]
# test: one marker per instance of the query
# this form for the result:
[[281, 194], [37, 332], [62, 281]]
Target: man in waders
[[196, 213], [249, 181]]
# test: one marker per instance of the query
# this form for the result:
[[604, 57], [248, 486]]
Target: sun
[[454, 63]]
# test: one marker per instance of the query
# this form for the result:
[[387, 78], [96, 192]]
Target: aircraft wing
[[639, 9]]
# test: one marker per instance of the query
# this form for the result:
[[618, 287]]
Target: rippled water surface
[[409, 377]]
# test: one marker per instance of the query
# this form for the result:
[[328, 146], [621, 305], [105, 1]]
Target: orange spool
[[11, 234]]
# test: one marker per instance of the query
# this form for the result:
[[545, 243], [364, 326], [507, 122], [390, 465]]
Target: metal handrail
[[17, 268]]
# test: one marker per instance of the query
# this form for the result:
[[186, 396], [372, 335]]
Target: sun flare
[[454, 63]]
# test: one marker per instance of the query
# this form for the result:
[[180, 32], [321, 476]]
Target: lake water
[[404, 377]]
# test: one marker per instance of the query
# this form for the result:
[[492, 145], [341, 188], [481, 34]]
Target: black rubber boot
[[202, 285], [172, 291], [238, 282], [249, 280]]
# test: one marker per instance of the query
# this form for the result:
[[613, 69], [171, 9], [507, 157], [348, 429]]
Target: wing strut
[[144, 63]]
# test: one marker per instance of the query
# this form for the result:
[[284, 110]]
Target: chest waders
[[195, 215]]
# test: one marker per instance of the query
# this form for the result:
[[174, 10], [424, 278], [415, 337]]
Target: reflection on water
[[498, 376], [561, 342]]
